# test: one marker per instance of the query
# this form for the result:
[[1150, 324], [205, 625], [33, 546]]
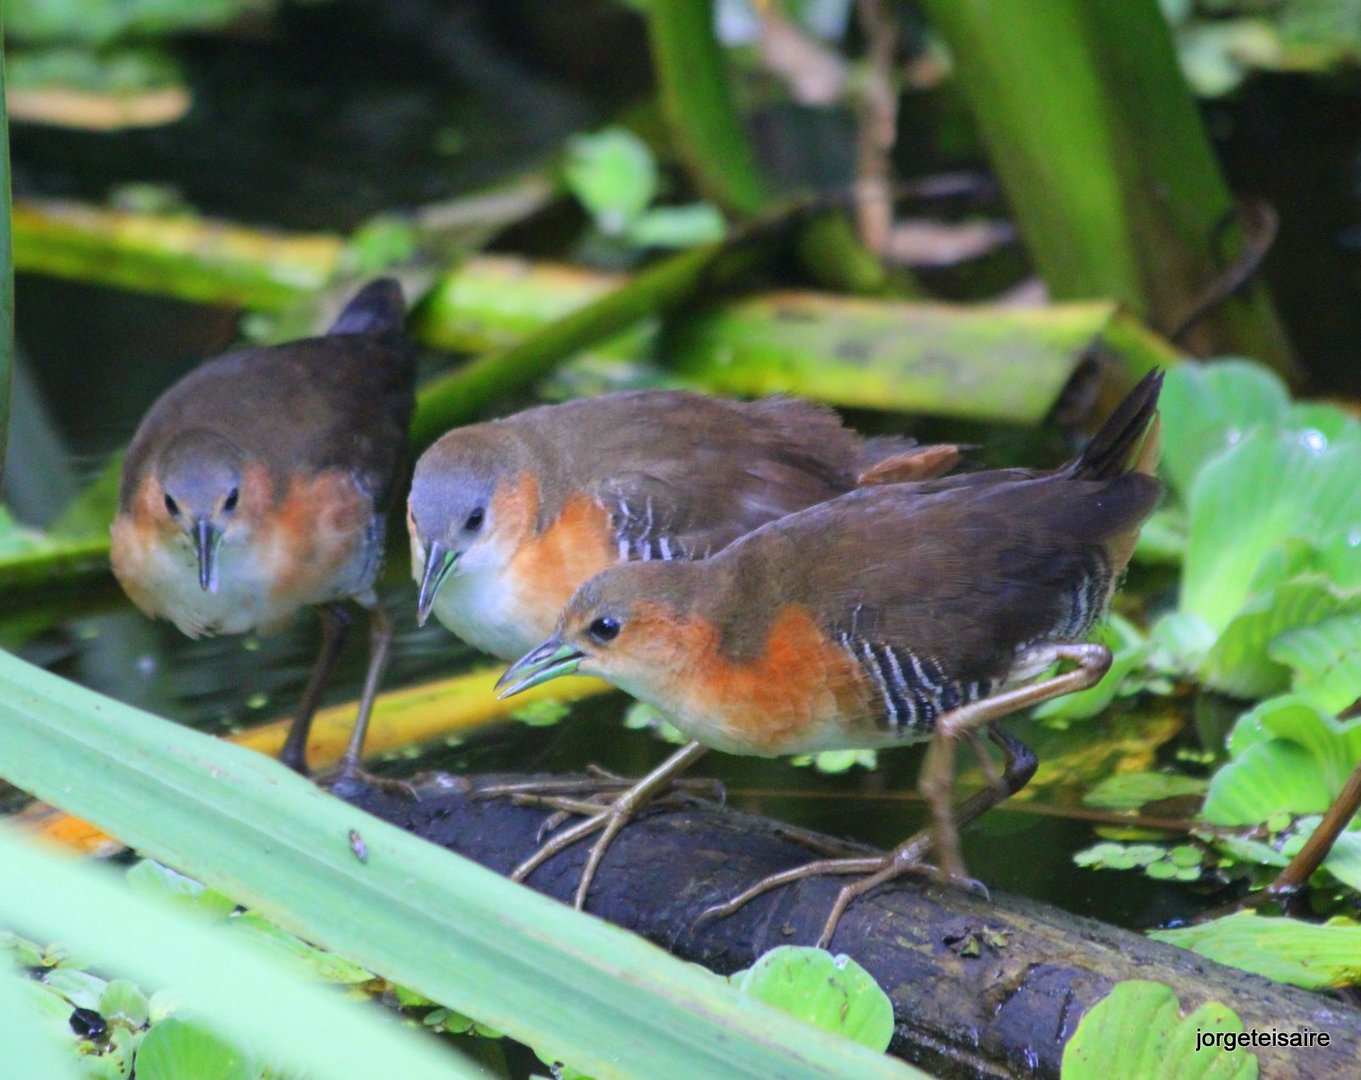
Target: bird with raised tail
[[508, 518], [892, 614], [259, 483]]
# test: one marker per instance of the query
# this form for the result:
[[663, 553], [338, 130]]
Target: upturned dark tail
[[377, 308], [1128, 440]]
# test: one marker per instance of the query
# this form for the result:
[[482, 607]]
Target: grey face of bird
[[451, 520], [201, 476]]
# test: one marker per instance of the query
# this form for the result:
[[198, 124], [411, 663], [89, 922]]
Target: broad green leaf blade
[[1271, 777], [1137, 1032], [614, 175], [32, 1041], [1208, 408], [257, 1001], [443, 926], [1271, 487], [1132, 790], [178, 1049], [1242, 662], [833, 992], [1287, 950], [1326, 659], [1287, 756]]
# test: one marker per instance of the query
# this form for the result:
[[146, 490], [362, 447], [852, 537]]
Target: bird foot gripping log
[[892, 614], [259, 483]]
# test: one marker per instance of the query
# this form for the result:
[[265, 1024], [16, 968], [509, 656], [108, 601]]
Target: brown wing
[[959, 578], [684, 475], [341, 401]]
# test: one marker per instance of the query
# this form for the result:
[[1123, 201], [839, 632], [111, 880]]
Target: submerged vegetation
[[682, 240]]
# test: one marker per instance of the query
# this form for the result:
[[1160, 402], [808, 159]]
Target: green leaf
[[837, 761], [1130, 791], [150, 878], [1241, 662], [31, 1028], [1325, 659], [1208, 408], [831, 992], [1111, 856], [1162, 539], [307, 958], [1286, 756], [1271, 487], [678, 226], [1137, 1032], [1287, 950], [123, 1000], [614, 175], [80, 988], [419, 916], [239, 989], [178, 1049]]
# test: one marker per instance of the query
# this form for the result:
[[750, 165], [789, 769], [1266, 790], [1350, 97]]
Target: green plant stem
[[465, 394], [1098, 143], [698, 102], [701, 113]]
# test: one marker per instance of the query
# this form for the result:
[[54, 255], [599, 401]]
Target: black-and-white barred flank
[[913, 690], [1087, 602], [641, 535]]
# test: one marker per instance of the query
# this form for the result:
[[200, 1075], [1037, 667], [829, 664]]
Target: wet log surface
[[979, 988]]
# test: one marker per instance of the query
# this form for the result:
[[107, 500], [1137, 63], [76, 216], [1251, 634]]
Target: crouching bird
[[889, 615], [258, 485], [508, 518]]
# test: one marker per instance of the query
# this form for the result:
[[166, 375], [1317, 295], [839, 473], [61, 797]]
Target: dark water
[[314, 126]]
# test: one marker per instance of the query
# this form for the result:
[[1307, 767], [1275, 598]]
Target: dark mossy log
[[979, 988]]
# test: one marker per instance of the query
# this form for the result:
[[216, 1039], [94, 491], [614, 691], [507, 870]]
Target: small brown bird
[[258, 483], [508, 518], [889, 615]]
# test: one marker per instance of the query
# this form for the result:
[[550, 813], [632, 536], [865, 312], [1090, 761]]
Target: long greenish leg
[[335, 627]]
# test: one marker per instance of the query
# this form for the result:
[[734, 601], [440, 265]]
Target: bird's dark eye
[[172, 507], [474, 521], [604, 629], [233, 497]]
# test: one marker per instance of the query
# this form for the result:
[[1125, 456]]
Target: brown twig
[[1298, 871], [876, 107]]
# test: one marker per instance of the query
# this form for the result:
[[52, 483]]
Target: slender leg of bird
[[599, 782], [610, 820], [906, 857], [351, 764], [682, 793], [937, 780], [335, 626], [937, 783], [985, 765]]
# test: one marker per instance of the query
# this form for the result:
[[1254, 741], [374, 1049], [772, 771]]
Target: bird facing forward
[[258, 485], [890, 615]]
